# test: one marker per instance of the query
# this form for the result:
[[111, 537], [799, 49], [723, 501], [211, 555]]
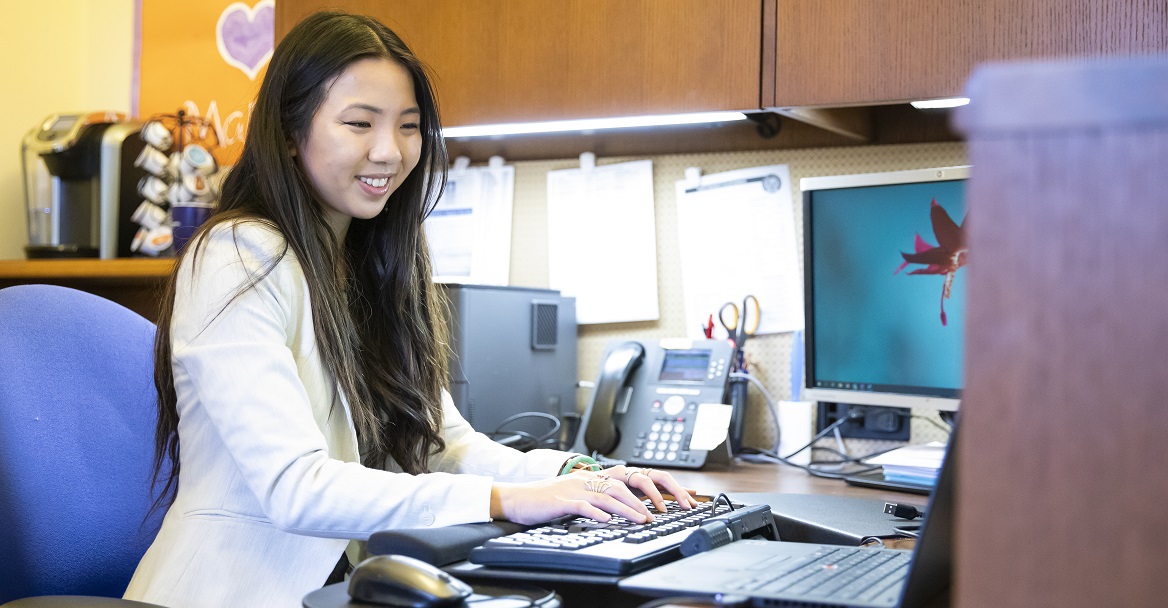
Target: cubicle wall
[[769, 356]]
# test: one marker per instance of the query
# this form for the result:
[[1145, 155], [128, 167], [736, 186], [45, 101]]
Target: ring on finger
[[600, 486], [633, 471]]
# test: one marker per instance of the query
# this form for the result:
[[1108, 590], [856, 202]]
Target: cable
[[902, 511], [722, 497], [947, 429], [770, 403], [545, 440], [770, 457]]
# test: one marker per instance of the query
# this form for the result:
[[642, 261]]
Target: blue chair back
[[77, 416]]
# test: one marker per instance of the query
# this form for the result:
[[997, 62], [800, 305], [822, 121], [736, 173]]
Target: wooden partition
[[1063, 494]]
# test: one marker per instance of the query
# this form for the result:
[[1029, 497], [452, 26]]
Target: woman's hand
[[596, 495], [650, 482]]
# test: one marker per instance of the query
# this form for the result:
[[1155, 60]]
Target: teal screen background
[[869, 325]]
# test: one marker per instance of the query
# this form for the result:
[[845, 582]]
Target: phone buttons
[[674, 405]]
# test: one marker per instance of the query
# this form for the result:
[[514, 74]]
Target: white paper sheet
[[737, 237], [602, 244], [711, 425], [469, 233]]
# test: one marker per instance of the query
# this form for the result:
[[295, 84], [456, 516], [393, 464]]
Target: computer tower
[[514, 351]]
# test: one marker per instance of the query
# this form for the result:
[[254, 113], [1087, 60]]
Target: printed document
[[469, 233], [602, 241], [737, 238]]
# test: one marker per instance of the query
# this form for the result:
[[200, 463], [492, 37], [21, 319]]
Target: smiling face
[[363, 140]]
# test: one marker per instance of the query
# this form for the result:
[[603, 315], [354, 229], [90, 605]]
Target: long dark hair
[[377, 317]]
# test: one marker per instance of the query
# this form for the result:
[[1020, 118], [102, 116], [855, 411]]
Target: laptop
[[780, 573]]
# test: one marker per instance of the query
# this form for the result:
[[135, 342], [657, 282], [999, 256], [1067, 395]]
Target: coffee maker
[[80, 185]]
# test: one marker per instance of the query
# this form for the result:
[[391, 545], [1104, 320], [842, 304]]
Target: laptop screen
[[932, 570]]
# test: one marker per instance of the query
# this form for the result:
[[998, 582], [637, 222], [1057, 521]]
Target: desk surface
[[752, 477]]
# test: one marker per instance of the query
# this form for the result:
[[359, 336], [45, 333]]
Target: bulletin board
[[769, 355], [206, 57]]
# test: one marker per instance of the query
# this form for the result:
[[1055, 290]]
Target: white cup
[[152, 161], [149, 215], [155, 134], [178, 194], [196, 160], [174, 166], [152, 241], [152, 189], [200, 188]]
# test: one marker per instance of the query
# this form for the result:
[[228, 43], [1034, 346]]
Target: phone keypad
[[666, 440]]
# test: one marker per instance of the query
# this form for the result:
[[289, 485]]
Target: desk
[[739, 478], [135, 283], [751, 477]]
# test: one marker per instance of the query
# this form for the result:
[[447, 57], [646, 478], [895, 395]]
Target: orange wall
[[206, 57]]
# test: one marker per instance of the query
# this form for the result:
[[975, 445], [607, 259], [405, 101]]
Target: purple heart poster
[[205, 57]]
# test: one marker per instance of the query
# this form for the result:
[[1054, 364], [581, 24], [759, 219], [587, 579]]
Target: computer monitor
[[884, 294]]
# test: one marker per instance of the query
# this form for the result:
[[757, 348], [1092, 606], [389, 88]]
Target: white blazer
[[271, 490]]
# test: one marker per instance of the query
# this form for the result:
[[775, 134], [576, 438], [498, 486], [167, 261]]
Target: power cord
[[522, 440]]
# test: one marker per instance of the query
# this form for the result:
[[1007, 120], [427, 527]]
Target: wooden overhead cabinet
[[533, 60], [870, 52]]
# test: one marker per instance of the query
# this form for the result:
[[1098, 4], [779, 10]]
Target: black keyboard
[[836, 573], [618, 546]]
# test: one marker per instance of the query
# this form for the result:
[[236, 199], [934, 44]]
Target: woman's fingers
[[611, 502], [639, 480], [611, 486], [651, 482]]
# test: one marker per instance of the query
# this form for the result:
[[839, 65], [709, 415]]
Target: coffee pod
[[197, 161], [149, 215], [178, 194], [152, 161], [152, 241], [152, 189], [200, 188], [174, 166], [157, 135]]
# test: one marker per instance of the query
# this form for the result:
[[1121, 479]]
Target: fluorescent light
[[932, 104], [591, 124]]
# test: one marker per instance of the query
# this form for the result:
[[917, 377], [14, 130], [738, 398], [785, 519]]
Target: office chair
[[77, 416]]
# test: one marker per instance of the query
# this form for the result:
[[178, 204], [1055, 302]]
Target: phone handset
[[602, 435]]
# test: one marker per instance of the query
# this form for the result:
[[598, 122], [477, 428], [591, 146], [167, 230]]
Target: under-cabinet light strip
[[590, 124], [934, 104]]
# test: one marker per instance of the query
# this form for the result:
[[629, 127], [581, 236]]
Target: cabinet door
[[529, 60], [860, 52]]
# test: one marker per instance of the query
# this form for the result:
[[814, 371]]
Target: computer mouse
[[397, 580]]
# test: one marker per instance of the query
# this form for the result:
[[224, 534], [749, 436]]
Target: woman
[[300, 357]]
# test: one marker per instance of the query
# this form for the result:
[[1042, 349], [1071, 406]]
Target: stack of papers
[[914, 464]]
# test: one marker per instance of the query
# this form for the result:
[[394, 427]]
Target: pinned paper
[[710, 426]]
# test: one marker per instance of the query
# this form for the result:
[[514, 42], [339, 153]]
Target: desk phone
[[647, 398]]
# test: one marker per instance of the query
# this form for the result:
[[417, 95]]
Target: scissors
[[740, 323]]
